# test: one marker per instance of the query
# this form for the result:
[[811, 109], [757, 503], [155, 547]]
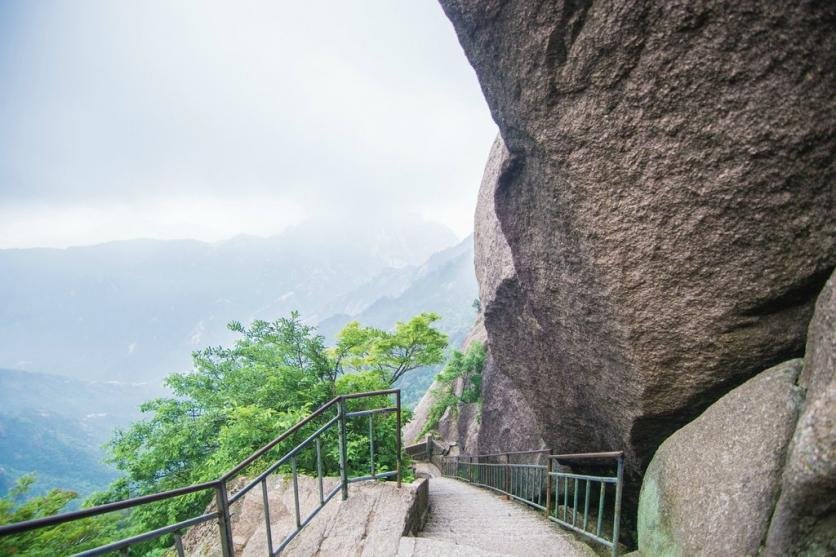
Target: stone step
[[431, 547], [480, 522]]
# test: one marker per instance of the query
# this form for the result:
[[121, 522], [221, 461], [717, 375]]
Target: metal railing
[[425, 450], [223, 498], [543, 482]]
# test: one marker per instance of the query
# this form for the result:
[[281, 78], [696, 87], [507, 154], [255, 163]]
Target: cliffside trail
[[467, 520]]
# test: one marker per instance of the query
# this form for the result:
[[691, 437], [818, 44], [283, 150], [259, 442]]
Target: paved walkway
[[467, 520]]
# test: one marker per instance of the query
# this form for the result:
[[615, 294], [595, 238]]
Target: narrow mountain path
[[467, 520]]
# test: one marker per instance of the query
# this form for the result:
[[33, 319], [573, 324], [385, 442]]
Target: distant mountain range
[[108, 322], [134, 311], [446, 284]]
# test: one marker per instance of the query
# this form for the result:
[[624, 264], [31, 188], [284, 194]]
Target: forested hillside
[[56, 426]]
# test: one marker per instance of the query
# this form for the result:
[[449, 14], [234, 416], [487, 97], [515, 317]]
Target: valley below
[[88, 334]]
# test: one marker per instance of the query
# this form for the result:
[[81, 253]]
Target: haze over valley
[[88, 333], [167, 169]]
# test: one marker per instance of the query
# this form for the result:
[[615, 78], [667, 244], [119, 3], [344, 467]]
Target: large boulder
[[509, 422], [804, 522], [664, 200], [711, 487]]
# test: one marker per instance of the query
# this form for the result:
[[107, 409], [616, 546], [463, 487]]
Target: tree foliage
[[236, 400], [463, 372], [413, 344], [239, 398], [71, 537]]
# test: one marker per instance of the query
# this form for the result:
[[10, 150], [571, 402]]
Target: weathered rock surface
[[711, 487], [369, 523], [459, 429], [412, 430], [804, 522], [509, 422], [665, 206]]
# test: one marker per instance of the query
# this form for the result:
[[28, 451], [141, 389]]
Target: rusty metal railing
[[544, 481], [223, 498]]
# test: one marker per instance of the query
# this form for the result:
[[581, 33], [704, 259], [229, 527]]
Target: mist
[[207, 120]]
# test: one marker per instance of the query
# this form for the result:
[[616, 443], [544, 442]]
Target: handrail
[[539, 486], [588, 456], [287, 456], [55, 520], [370, 394], [513, 453], [425, 449], [223, 499], [253, 457]]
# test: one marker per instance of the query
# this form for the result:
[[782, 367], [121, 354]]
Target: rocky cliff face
[[510, 422], [657, 217]]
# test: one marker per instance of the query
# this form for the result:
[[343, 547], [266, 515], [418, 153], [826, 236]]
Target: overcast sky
[[178, 119]]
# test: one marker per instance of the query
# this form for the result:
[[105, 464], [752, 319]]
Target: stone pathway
[[466, 520]]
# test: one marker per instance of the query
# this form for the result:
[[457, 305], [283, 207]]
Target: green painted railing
[[220, 487], [544, 483]]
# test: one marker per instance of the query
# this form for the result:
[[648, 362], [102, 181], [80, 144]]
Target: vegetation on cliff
[[235, 401], [460, 382]]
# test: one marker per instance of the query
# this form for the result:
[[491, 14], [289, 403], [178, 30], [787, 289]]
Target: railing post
[[398, 425], [319, 473], [343, 449], [470, 469], [371, 445], [617, 519], [507, 476], [295, 474], [549, 461], [224, 521]]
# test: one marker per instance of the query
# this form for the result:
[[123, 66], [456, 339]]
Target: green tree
[[413, 344], [384, 425], [463, 371], [71, 537], [236, 400], [239, 398]]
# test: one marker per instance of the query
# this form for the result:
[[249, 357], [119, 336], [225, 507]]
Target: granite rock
[[369, 523], [804, 522], [711, 487], [658, 219]]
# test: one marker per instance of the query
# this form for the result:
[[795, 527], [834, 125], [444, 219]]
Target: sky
[[205, 119]]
